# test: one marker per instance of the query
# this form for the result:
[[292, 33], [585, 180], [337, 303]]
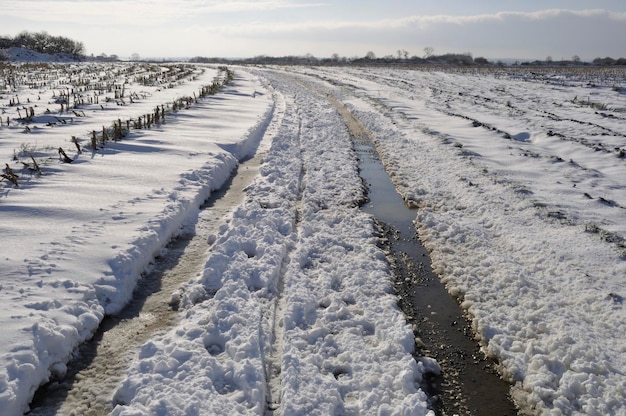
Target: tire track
[[101, 362], [332, 283], [274, 353], [294, 312]]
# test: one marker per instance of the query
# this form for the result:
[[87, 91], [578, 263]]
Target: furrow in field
[[505, 231], [500, 125]]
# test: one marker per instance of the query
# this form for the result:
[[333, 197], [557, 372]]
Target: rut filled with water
[[468, 383]]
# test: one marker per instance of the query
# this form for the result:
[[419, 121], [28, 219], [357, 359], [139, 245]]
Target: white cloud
[[411, 22], [108, 12], [560, 33], [236, 6], [136, 12]]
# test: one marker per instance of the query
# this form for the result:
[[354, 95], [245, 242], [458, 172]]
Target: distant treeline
[[451, 59], [370, 58], [609, 61], [44, 43]]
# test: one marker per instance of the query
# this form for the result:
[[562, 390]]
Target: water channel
[[469, 383]]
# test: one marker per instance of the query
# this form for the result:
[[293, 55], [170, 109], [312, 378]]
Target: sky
[[529, 29]]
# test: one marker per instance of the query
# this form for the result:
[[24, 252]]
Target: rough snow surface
[[294, 311]]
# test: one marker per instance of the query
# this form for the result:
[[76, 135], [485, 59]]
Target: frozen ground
[[519, 182]]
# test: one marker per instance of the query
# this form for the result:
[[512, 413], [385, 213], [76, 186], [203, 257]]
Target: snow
[[518, 181]]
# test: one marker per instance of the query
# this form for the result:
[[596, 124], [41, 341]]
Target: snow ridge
[[337, 331]]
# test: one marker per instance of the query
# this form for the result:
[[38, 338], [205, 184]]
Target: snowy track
[[101, 363], [296, 276]]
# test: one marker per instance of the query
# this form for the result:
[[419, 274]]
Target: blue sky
[[529, 29]]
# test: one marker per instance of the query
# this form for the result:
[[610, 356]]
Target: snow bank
[[78, 237]]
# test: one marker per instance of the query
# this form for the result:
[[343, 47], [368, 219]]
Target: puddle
[[101, 363], [469, 383]]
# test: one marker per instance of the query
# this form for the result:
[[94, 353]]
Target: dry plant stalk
[[64, 156], [36, 165], [9, 175], [75, 141]]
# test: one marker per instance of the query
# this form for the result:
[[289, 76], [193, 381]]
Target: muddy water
[[468, 383], [101, 363]]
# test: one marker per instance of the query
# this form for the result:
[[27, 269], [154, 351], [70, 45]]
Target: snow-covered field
[[519, 181]]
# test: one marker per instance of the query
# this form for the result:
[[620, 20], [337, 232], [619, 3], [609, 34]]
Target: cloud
[[422, 23], [137, 12], [502, 17], [101, 12], [535, 35], [236, 6]]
